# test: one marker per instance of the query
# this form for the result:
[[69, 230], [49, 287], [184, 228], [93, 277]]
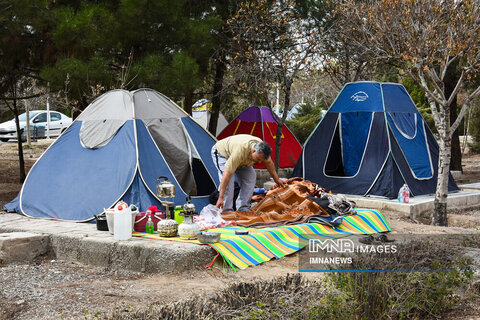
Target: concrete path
[[468, 197], [82, 242]]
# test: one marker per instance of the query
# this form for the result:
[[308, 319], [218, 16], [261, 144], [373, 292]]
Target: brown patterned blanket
[[282, 206]]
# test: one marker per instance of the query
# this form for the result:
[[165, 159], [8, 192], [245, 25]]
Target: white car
[[38, 118]]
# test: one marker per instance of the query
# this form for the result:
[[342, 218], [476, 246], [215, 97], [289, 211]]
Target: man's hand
[[271, 169], [280, 183], [219, 203]]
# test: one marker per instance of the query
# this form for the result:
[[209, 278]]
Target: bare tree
[[272, 45], [12, 97], [315, 87], [424, 38]]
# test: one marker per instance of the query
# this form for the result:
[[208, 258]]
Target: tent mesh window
[[203, 181], [179, 153]]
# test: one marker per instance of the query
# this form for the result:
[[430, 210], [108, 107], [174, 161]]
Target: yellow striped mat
[[262, 245]]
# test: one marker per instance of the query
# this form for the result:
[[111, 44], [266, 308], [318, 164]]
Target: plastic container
[[404, 194], [150, 227], [110, 218], [122, 228], [178, 217], [142, 218]]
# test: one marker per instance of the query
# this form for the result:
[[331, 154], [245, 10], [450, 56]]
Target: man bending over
[[236, 155]]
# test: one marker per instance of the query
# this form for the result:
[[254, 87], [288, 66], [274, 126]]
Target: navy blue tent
[[115, 150], [371, 141]]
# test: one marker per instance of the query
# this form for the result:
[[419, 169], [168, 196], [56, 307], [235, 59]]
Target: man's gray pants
[[246, 178]]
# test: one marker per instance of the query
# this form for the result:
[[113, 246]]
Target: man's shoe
[[384, 238], [367, 240], [243, 209]]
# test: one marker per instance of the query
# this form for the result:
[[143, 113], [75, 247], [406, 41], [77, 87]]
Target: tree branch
[[463, 111], [457, 87], [430, 98], [24, 97]]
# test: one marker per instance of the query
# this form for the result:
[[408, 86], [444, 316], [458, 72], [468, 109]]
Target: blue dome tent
[[115, 150], [370, 142]]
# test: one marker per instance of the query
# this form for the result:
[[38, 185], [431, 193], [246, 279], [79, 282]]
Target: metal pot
[[165, 189], [101, 221], [189, 207], [208, 237]]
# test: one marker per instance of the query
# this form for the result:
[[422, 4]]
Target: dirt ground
[[51, 289]]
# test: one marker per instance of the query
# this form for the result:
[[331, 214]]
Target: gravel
[[53, 289]]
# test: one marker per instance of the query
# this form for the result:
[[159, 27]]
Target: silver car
[[38, 125]]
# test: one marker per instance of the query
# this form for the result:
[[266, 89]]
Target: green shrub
[[421, 294], [376, 295], [305, 120]]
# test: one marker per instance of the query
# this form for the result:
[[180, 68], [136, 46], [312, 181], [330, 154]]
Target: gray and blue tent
[[115, 150], [370, 142]]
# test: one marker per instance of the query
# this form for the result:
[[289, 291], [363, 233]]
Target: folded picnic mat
[[261, 245]]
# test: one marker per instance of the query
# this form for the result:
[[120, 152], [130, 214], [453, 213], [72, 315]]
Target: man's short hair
[[263, 147]]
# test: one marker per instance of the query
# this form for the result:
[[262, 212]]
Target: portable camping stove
[[188, 229], [167, 227]]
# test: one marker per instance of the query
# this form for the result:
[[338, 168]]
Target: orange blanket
[[282, 206]]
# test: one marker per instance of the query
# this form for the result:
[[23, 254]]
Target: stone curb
[[81, 242]]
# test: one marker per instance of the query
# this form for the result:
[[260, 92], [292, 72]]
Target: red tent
[[260, 122]]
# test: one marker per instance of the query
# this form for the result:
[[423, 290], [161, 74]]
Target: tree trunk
[[188, 102], [450, 81], [21, 160], [439, 216], [217, 95], [27, 111], [286, 107], [456, 157]]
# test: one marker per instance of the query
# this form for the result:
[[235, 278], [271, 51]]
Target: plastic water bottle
[[406, 194], [401, 195], [150, 227]]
